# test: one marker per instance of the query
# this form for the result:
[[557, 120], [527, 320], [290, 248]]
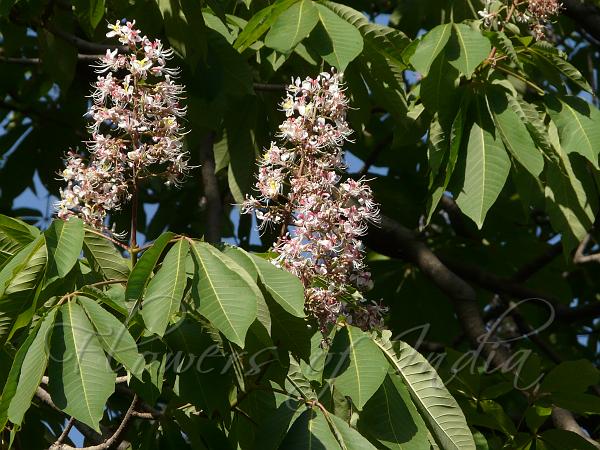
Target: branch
[[392, 239], [111, 441], [213, 207], [580, 257], [564, 420], [266, 87], [35, 61], [82, 44]]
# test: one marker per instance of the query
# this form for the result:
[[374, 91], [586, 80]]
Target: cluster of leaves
[[216, 341], [511, 134]]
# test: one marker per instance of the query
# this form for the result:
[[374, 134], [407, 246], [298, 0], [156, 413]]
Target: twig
[[266, 87], [65, 432], [82, 44]]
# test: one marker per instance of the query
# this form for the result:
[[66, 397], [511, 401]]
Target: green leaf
[[19, 280], [286, 288], [80, 377], [576, 402], [89, 13], [578, 125], [501, 41], [571, 376], [349, 437], [222, 295], [340, 43], [562, 439], [245, 260], [103, 257], [64, 240], [358, 367], [59, 58], [142, 272], [292, 25], [165, 290], [114, 337], [32, 370], [486, 170], [259, 23], [274, 427], [513, 132], [390, 418], [570, 209], [430, 46], [433, 401], [310, 431], [12, 380], [557, 62], [472, 49], [14, 235], [96, 12]]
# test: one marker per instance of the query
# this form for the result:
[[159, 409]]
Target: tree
[[476, 124]]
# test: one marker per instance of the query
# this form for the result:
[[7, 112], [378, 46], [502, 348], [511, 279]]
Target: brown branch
[[82, 44], [213, 207], [580, 257], [113, 440], [564, 420], [36, 61], [392, 239]]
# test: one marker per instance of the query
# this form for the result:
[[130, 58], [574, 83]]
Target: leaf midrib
[[83, 385]]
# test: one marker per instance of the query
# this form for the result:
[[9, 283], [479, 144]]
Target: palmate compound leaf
[[64, 240], [80, 377], [357, 367], [114, 337], [32, 370], [222, 294], [165, 290], [438, 408]]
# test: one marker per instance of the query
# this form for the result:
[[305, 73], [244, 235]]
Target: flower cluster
[[136, 131], [536, 13], [321, 217]]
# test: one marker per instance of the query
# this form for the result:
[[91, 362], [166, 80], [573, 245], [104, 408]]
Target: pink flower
[[300, 185]]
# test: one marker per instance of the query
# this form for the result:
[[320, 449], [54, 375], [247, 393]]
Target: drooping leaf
[[292, 25], [557, 62], [14, 235], [80, 377], [221, 294], [165, 290], [390, 418], [358, 367], [578, 125], [64, 240], [430, 47], [472, 48], [349, 437], [114, 337], [310, 431], [337, 41], [32, 370], [260, 23], [12, 380], [438, 408], [141, 273], [486, 170], [103, 257], [513, 132], [19, 280]]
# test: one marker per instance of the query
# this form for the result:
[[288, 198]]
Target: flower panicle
[[321, 215], [135, 129]]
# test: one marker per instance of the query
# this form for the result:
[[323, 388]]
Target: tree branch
[[82, 44], [580, 257], [213, 207]]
